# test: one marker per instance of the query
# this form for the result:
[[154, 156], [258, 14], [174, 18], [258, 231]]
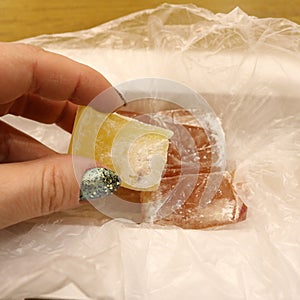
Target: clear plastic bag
[[193, 188], [248, 69]]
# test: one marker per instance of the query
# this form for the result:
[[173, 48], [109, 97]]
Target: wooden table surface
[[24, 18]]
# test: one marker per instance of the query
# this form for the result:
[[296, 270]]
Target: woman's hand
[[45, 87]]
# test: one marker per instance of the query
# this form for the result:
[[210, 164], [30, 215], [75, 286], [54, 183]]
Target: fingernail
[[97, 183], [108, 101], [121, 96]]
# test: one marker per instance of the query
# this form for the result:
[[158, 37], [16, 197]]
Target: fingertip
[[59, 77]]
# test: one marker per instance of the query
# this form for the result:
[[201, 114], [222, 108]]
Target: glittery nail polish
[[97, 183]]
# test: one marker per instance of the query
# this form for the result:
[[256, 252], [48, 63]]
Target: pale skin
[[45, 87]]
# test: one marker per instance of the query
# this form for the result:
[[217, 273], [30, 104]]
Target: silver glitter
[[97, 183]]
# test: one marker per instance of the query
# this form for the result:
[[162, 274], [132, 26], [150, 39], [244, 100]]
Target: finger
[[16, 146], [47, 111], [30, 69], [39, 187]]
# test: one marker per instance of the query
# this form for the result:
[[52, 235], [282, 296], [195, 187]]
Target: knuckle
[[31, 48], [52, 189], [34, 55]]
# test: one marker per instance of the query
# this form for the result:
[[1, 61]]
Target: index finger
[[28, 69]]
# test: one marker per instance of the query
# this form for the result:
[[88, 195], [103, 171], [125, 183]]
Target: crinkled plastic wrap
[[248, 69], [196, 189]]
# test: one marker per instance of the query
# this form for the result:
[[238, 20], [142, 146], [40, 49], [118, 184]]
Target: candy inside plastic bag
[[248, 71], [194, 165]]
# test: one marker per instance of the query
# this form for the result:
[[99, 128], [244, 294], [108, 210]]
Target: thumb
[[40, 187]]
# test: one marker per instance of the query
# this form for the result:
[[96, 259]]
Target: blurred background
[[24, 18]]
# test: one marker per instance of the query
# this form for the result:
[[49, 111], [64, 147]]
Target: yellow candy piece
[[136, 151]]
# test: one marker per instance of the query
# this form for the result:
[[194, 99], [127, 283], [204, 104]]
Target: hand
[[45, 87]]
